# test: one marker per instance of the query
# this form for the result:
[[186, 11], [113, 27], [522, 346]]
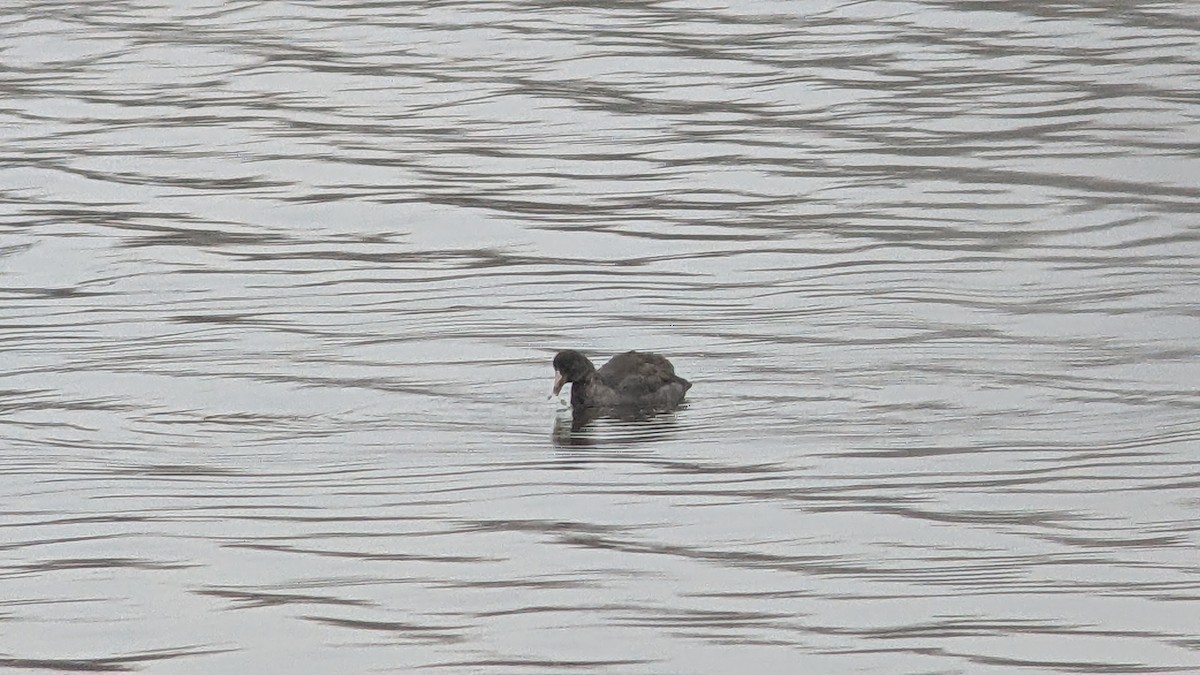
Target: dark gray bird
[[629, 381]]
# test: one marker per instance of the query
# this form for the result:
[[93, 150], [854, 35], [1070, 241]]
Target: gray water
[[281, 283]]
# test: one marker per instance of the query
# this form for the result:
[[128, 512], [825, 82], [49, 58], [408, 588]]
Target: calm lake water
[[281, 283]]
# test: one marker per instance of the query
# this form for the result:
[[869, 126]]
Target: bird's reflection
[[587, 428]]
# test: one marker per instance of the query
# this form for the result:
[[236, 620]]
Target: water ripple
[[283, 284]]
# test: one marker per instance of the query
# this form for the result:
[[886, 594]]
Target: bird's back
[[643, 379]]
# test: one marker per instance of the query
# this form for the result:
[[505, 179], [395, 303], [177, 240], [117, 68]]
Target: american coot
[[629, 381]]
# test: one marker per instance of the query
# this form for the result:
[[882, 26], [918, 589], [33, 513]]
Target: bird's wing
[[637, 373]]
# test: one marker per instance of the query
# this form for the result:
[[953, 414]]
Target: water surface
[[282, 282]]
